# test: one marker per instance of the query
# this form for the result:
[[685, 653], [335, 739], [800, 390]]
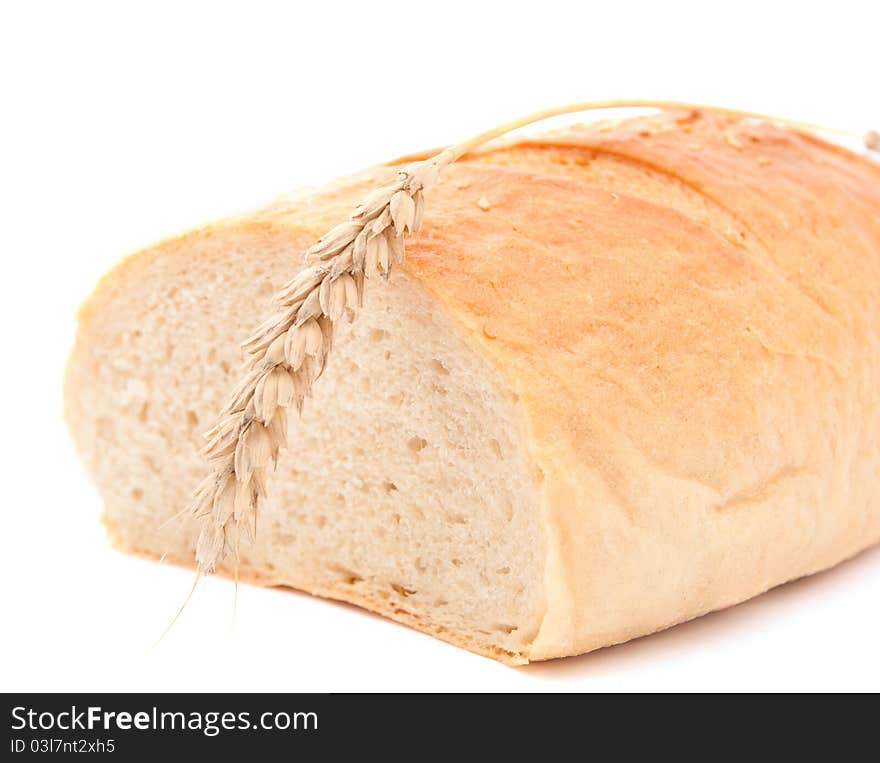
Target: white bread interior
[[406, 486]]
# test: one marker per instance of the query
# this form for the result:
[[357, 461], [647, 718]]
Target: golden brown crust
[[702, 398], [694, 336]]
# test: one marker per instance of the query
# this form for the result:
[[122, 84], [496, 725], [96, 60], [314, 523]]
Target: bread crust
[[695, 344], [321, 587]]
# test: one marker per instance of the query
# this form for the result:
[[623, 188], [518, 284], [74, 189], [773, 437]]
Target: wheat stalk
[[288, 353]]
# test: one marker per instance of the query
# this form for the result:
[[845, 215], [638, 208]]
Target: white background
[[122, 123]]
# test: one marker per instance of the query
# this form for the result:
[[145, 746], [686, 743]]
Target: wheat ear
[[287, 354]]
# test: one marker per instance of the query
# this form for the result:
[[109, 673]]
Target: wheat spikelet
[[288, 352]]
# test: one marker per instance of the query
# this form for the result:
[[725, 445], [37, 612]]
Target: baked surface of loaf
[[629, 374]]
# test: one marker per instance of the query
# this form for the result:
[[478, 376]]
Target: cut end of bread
[[406, 488]]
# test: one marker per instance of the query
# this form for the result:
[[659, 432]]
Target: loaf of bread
[[629, 374]]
